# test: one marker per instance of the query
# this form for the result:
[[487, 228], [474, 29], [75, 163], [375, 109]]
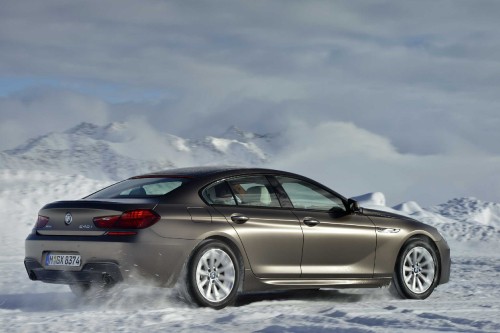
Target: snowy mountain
[[470, 210], [461, 219], [119, 150]]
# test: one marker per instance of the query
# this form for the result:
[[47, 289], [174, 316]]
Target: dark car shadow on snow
[[312, 295], [55, 301], [39, 302], [63, 301]]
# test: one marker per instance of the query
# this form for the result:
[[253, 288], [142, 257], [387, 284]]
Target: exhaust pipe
[[107, 279], [32, 276]]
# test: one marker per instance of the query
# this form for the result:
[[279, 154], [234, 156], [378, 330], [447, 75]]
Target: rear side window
[[254, 191], [219, 194], [139, 188], [242, 191]]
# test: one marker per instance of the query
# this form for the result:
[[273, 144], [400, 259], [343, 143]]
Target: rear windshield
[[139, 188]]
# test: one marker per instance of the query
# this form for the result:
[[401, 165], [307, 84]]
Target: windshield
[[139, 188]]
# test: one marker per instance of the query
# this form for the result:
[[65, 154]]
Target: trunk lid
[[75, 218]]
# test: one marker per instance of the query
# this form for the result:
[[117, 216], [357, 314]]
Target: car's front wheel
[[214, 275], [417, 270]]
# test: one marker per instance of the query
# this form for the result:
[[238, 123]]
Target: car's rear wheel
[[417, 270], [214, 275]]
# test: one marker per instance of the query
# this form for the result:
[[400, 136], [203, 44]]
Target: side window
[[254, 191], [305, 195], [219, 194]]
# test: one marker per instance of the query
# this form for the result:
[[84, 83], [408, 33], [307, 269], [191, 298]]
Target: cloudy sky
[[397, 96]]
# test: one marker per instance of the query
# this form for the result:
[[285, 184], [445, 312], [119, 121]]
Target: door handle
[[238, 218], [310, 221]]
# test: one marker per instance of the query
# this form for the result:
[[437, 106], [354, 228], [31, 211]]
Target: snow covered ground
[[469, 303]]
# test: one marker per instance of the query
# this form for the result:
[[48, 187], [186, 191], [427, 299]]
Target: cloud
[[424, 76], [352, 161], [37, 111]]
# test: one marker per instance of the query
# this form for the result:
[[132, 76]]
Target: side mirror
[[354, 206]]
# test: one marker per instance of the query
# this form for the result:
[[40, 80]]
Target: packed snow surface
[[470, 302]]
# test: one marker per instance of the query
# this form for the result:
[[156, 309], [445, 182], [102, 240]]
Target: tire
[[214, 275], [417, 270]]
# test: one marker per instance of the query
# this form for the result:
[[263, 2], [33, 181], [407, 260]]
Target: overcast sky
[[406, 92]]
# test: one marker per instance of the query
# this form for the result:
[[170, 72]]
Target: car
[[222, 231]]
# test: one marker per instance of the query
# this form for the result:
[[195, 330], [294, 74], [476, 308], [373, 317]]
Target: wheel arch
[[389, 250], [399, 287], [229, 242], [235, 247], [421, 236]]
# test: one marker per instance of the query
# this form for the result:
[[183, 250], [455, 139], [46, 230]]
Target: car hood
[[382, 213], [379, 217]]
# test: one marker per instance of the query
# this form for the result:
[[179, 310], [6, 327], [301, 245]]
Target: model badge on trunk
[[68, 218]]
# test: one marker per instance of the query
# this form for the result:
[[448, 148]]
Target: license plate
[[59, 259]]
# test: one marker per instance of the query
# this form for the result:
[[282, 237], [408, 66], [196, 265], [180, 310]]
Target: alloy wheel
[[215, 275], [418, 270]]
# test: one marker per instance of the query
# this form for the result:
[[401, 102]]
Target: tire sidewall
[[400, 285], [191, 276]]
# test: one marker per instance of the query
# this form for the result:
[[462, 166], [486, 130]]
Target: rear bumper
[[120, 258], [95, 273]]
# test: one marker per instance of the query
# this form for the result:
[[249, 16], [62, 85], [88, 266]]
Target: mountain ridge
[[119, 150], [462, 219]]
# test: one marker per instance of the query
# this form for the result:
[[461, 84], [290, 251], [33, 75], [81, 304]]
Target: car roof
[[208, 171]]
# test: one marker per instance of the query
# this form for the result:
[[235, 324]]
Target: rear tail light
[[134, 219], [41, 221], [106, 222]]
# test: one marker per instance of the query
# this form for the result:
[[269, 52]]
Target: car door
[[337, 244], [271, 235]]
